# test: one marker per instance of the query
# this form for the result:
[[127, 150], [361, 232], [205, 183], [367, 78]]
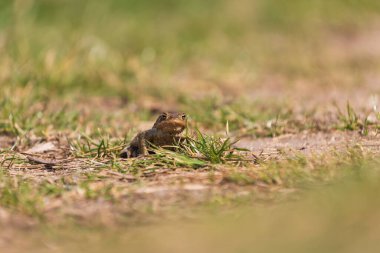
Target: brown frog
[[166, 131]]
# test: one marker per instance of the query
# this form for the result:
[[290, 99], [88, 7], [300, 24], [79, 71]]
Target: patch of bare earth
[[6, 141], [311, 143]]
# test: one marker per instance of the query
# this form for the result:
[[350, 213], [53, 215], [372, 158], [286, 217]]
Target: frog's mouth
[[173, 126]]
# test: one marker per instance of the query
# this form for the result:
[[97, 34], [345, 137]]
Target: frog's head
[[171, 122]]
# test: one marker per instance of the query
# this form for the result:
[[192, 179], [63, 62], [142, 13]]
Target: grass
[[101, 147], [213, 149], [17, 195], [349, 183], [87, 76], [192, 151], [97, 182], [352, 121], [22, 117]]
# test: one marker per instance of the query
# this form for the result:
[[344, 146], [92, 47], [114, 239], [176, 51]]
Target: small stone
[[42, 147]]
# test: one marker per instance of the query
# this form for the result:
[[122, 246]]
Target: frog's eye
[[163, 116], [183, 116]]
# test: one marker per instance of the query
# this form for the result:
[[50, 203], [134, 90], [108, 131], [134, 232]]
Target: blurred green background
[[196, 56], [111, 47]]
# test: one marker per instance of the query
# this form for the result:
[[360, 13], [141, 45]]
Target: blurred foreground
[[340, 217]]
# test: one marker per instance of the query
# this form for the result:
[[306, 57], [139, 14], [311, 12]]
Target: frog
[[166, 132]]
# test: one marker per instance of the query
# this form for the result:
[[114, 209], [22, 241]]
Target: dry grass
[[284, 94]]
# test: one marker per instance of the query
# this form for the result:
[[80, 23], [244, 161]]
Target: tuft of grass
[[351, 121], [85, 146], [211, 148]]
